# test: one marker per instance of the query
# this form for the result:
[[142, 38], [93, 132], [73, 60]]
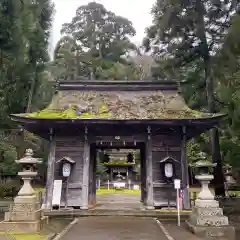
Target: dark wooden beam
[[184, 169], [100, 122], [86, 168], [149, 165], [129, 85], [50, 172]]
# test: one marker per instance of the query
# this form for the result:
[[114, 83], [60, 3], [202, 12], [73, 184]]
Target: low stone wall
[[230, 205], [231, 208]]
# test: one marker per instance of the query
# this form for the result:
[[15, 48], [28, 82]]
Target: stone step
[[207, 211], [208, 220], [212, 232], [23, 226], [161, 215]]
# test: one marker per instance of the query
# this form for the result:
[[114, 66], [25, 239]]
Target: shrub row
[[9, 189]]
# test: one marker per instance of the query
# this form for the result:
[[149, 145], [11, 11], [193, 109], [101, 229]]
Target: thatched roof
[[117, 105]]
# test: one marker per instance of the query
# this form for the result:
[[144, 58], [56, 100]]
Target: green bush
[[10, 189]]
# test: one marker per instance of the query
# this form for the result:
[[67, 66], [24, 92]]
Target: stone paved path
[[115, 228], [118, 201], [179, 233]]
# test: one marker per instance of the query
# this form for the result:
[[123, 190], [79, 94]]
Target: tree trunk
[[215, 146], [216, 158], [31, 91]]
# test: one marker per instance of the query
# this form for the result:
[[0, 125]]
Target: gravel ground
[[235, 221]]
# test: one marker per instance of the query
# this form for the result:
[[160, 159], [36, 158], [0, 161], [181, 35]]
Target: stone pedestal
[[24, 215], [207, 219]]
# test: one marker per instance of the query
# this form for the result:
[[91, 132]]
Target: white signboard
[[136, 187], [177, 183], [119, 185], [57, 191], [177, 186]]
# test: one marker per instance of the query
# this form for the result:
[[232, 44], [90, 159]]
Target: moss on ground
[[21, 236]]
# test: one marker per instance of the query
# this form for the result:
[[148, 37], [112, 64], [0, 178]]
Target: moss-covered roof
[[117, 105]]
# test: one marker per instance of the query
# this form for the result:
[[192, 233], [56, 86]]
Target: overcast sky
[[137, 11]]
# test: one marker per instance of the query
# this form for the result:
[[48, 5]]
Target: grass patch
[[38, 190], [103, 191], [172, 210], [237, 193], [22, 236], [119, 163]]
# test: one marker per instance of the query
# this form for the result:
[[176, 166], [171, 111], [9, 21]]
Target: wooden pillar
[[110, 175], [149, 202], [50, 172], [90, 187], [94, 175], [184, 166], [86, 168], [143, 173], [142, 176]]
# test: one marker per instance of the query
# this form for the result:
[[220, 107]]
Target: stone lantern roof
[[28, 158]]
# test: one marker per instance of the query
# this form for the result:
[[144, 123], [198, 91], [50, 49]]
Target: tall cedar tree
[[185, 31], [100, 33], [24, 32]]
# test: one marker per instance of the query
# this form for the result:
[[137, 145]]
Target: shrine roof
[[117, 100]]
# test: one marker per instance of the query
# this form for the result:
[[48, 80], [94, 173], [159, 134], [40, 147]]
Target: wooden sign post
[[177, 186]]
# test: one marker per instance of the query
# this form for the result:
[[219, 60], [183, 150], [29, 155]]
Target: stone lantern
[[229, 175], [24, 213], [28, 163], [229, 179], [207, 219], [204, 174]]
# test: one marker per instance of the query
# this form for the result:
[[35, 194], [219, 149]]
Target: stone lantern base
[[207, 221], [24, 215]]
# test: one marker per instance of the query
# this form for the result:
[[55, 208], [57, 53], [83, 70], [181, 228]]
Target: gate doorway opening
[[117, 177]]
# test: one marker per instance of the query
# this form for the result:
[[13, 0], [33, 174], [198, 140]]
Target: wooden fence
[[5, 179]]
